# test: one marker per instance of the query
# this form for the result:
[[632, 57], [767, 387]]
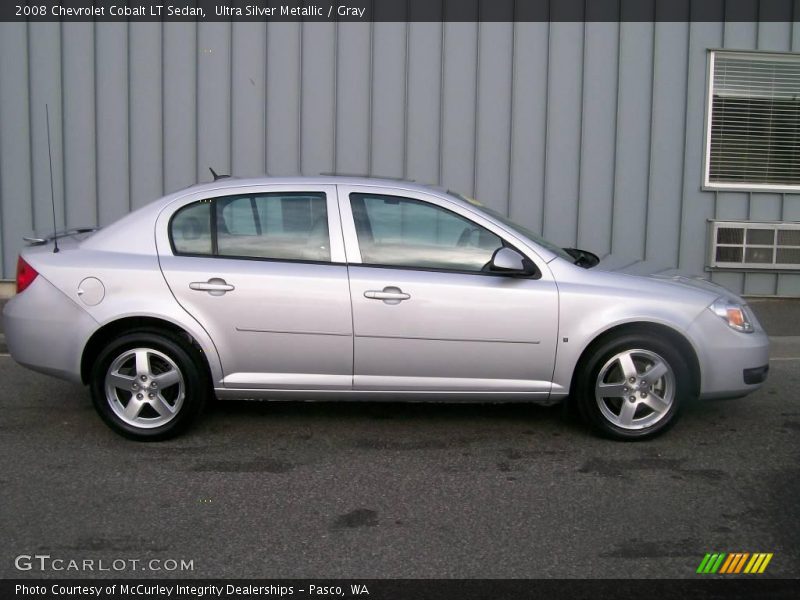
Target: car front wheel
[[631, 387], [148, 385]]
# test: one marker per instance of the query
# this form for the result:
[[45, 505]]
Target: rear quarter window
[[190, 229]]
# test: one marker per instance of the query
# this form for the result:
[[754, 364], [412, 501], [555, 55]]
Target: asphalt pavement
[[390, 490], [336, 490]]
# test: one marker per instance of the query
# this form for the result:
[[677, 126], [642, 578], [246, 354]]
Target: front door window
[[403, 232]]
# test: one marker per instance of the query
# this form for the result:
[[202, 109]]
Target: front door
[[427, 315], [263, 272]]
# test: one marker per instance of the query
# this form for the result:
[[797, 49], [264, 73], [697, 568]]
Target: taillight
[[25, 275]]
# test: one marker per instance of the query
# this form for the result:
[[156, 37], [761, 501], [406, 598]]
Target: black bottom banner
[[397, 589]]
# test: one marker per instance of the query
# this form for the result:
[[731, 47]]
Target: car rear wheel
[[148, 385], [631, 387]]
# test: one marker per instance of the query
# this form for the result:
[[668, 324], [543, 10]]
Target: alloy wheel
[[635, 389], [145, 388]]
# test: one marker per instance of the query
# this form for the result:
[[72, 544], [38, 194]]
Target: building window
[[755, 245], [753, 135]]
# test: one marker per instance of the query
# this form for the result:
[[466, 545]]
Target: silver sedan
[[353, 288]]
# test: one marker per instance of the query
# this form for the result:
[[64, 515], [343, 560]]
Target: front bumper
[[732, 363], [46, 331]]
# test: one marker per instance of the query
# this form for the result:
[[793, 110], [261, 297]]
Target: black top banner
[[401, 10]]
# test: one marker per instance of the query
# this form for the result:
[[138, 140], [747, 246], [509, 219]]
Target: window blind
[[755, 120]]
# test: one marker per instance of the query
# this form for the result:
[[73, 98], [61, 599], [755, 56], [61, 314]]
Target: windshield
[[535, 237]]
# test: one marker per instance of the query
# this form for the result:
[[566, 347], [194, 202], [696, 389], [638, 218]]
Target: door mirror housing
[[583, 258], [509, 261]]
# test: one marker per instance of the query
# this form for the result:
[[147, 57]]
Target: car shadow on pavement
[[353, 411]]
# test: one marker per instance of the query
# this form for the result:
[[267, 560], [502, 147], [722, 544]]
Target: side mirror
[[507, 260], [583, 258]]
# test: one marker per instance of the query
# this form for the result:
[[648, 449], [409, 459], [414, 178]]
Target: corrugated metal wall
[[591, 132]]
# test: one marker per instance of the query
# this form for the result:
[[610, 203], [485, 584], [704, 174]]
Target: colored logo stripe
[[758, 563], [727, 564], [711, 563], [734, 563]]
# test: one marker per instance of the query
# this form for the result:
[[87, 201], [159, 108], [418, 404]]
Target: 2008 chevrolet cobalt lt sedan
[[355, 288]]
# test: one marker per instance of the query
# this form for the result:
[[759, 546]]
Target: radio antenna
[[216, 175], [52, 193]]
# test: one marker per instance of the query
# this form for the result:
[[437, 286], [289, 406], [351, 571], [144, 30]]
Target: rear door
[[262, 270], [427, 316]]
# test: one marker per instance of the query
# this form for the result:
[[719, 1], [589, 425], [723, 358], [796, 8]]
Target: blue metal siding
[[593, 133]]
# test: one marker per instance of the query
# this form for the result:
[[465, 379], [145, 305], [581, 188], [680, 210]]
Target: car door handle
[[389, 294], [214, 286]]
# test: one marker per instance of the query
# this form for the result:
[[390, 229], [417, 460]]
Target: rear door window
[[283, 226]]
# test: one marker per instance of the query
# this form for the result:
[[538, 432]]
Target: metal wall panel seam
[[96, 128], [546, 127], [441, 97], [30, 119], [758, 29], [511, 107], [716, 194], [163, 113], [371, 88], [650, 138], [94, 120], [616, 138], [335, 98], [63, 132], [127, 113], [63, 177], [300, 37], [777, 277], [405, 96], [580, 131], [266, 98], [231, 106], [477, 105], [685, 142], [2, 212], [196, 103]]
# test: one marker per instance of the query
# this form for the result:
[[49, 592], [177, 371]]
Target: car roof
[[233, 182]]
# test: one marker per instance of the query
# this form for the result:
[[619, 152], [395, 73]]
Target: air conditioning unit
[[745, 245]]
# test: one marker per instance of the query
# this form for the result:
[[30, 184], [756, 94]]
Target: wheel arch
[[675, 337], [115, 328]]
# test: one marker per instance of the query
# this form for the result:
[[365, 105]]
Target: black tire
[[645, 350], [165, 352]]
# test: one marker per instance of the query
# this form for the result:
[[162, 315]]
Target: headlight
[[733, 314]]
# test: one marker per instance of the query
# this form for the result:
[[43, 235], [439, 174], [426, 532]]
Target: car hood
[[665, 273]]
